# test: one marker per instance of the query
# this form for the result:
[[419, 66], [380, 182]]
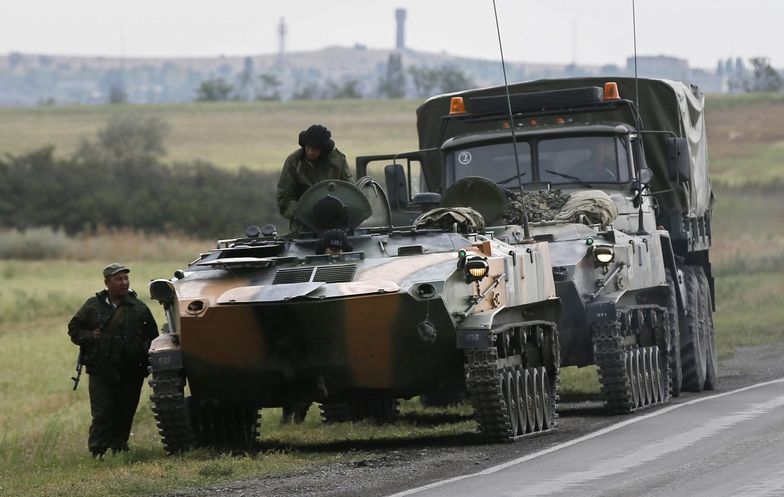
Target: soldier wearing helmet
[[316, 160]]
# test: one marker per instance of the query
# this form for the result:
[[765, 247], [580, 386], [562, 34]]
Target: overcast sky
[[558, 31]]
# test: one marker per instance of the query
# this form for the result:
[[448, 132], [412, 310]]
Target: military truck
[[269, 320], [631, 235]]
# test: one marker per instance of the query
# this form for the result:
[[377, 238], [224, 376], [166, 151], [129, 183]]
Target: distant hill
[[41, 79]]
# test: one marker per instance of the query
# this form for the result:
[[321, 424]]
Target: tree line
[[395, 82], [119, 181]]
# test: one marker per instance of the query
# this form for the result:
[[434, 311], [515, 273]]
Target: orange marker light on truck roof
[[611, 91], [457, 106]]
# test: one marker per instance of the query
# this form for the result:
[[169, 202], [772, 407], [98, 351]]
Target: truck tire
[[693, 334], [711, 364]]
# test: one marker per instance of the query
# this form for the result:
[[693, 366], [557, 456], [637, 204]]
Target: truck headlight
[[603, 254]]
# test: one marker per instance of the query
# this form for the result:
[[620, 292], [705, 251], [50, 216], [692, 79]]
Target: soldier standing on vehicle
[[114, 330], [316, 160]]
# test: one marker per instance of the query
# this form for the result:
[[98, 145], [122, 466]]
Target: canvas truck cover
[[663, 105]]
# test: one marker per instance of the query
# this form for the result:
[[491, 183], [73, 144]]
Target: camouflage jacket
[[299, 174], [122, 348]]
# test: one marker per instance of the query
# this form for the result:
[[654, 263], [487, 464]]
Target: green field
[[43, 424], [258, 135]]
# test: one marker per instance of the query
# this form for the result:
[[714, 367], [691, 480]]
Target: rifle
[[79, 365]]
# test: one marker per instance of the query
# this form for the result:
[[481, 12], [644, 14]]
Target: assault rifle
[[79, 365]]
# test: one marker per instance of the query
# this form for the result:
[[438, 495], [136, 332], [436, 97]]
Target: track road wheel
[[647, 376], [522, 402], [631, 373], [530, 401], [510, 397], [538, 405], [673, 325], [693, 351], [656, 379]]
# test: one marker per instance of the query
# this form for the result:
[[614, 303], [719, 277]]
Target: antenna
[[634, 29], [526, 233]]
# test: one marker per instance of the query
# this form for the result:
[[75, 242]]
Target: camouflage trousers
[[113, 404]]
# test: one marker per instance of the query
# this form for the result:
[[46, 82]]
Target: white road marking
[[718, 425]]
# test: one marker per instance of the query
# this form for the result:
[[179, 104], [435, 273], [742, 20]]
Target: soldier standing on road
[[114, 329], [316, 160]]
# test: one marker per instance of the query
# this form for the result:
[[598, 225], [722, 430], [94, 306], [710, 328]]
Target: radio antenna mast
[[634, 30], [526, 232]]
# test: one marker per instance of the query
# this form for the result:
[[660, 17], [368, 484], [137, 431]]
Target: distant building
[[281, 39], [400, 16], [659, 66], [668, 67]]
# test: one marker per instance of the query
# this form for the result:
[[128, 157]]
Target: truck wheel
[[711, 379], [676, 371], [693, 346]]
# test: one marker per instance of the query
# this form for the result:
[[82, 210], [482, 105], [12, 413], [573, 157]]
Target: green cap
[[114, 268]]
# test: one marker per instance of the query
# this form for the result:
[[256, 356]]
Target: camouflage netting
[[540, 206], [466, 219], [594, 205]]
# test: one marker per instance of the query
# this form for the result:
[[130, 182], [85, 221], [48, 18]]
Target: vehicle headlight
[[476, 268], [603, 254]]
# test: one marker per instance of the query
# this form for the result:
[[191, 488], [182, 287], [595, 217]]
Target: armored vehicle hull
[[266, 322]]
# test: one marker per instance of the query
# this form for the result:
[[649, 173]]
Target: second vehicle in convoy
[[625, 207]]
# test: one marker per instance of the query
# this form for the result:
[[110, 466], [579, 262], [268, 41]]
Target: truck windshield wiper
[[507, 180], [573, 179]]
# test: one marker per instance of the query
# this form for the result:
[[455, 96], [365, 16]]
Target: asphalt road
[[729, 444], [748, 464]]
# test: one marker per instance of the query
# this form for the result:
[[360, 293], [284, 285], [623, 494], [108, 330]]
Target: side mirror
[[646, 176], [397, 189], [678, 161]]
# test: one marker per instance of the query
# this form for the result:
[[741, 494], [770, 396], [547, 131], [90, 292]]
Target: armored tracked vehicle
[[440, 304], [621, 195]]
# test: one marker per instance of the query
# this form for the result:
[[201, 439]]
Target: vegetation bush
[[119, 182]]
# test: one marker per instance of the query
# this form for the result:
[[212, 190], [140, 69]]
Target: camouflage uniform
[[299, 174], [116, 362]]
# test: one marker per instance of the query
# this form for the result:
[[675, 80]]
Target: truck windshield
[[580, 159], [494, 162], [602, 159]]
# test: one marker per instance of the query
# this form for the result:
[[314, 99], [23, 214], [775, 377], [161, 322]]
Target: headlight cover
[[475, 268], [603, 254]]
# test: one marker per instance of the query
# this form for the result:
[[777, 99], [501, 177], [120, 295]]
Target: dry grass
[[746, 141], [103, 245], [258, 135]]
